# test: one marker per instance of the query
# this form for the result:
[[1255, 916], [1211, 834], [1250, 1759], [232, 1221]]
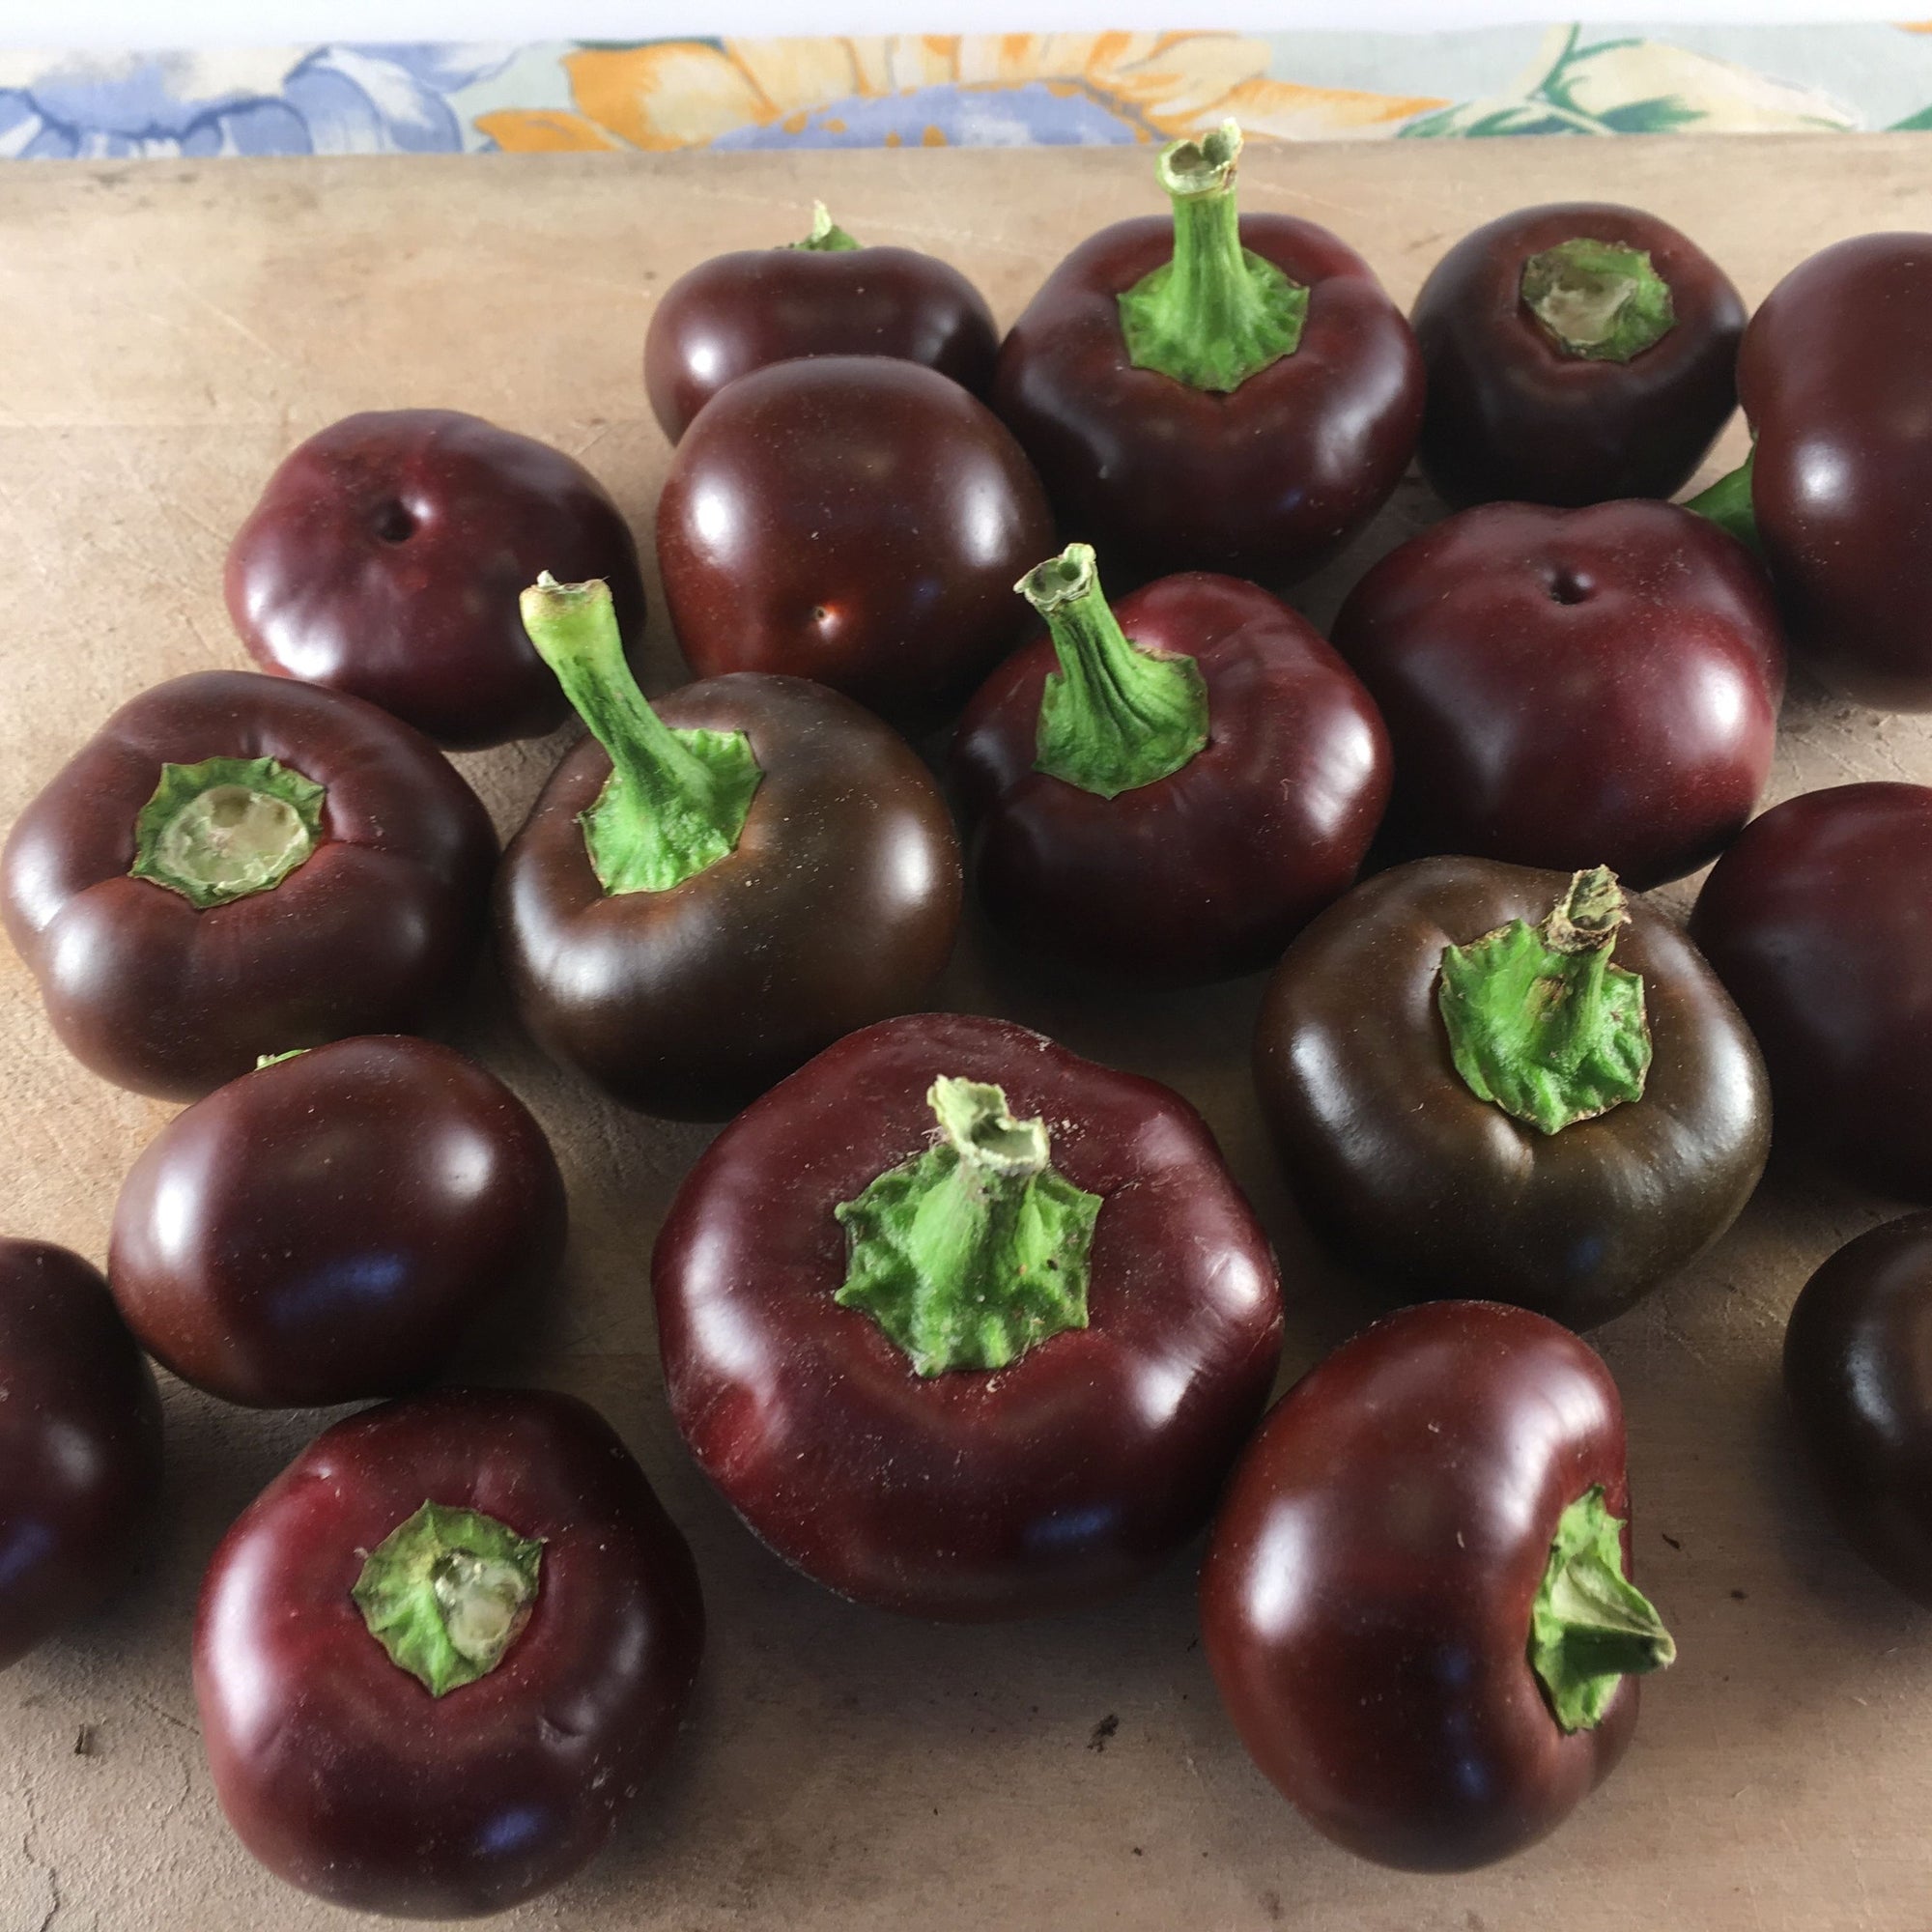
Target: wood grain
[[166, 333]]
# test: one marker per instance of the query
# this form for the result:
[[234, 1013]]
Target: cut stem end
[[446, 1593], [975, 1252], [1217, 314], [1113, 717], [1590, 1627], [1540, 1022], [226, 828], [826, 236], [675, 801], [1598, 300]]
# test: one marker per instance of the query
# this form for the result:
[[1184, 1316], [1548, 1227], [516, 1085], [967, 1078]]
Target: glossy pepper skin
[[1832, 375], [324, 1229], [755, 306], [968, 1495], [853, 519], [1266, 481], [839, 906], [1366, 1599], [1412, 1179], [386, 554], [80, 1444], [1514, 418], [337, 1767], [1572, 688], [1858, 1373], [1819, 920], [374, 932], [1211, 870]]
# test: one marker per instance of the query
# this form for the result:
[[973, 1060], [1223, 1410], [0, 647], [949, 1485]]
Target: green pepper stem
[[1728, 505], [675, 801], [1589, 1626], [1217, 313], [1113, 717], [1540, 1022], [1598, 300], [975, 1251], [826, 238]]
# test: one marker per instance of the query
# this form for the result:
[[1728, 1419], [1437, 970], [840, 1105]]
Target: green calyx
[[1728, 504], [262, 1059], [226, 828], [446, 1593], [1540, 1022], [1217, 313], [975, 1251], [1590, 1627], [1598, 300], [1115, 716], [827, 238], [675, 801]]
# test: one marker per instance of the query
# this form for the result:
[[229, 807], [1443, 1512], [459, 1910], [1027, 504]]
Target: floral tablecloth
[[989, 90]]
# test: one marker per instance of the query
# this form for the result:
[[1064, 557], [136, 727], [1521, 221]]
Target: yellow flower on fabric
[[885, 91]]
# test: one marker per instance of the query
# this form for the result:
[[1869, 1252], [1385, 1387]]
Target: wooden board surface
[[166, 333]]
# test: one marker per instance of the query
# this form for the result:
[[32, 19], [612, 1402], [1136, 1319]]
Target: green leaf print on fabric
[[1635, 86]]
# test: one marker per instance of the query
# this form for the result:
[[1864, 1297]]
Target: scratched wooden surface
[[166, 333]]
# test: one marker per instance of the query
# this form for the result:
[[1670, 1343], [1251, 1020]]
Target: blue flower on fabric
[[1029, 114], [335, 99]]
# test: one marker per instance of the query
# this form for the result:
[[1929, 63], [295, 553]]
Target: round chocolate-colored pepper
[[827, 294], [1203, 391], [1417, 1601], [1576, 352], [237, 865], [326, 1227], [1832, 375], [1572, 688], [1049, 1412], [1430, 1188], [767, 867], [386, 555], [80, 1444], [1819, 921], [1857, 1371], [454, 1741], [1196, 864], [853, 519]]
